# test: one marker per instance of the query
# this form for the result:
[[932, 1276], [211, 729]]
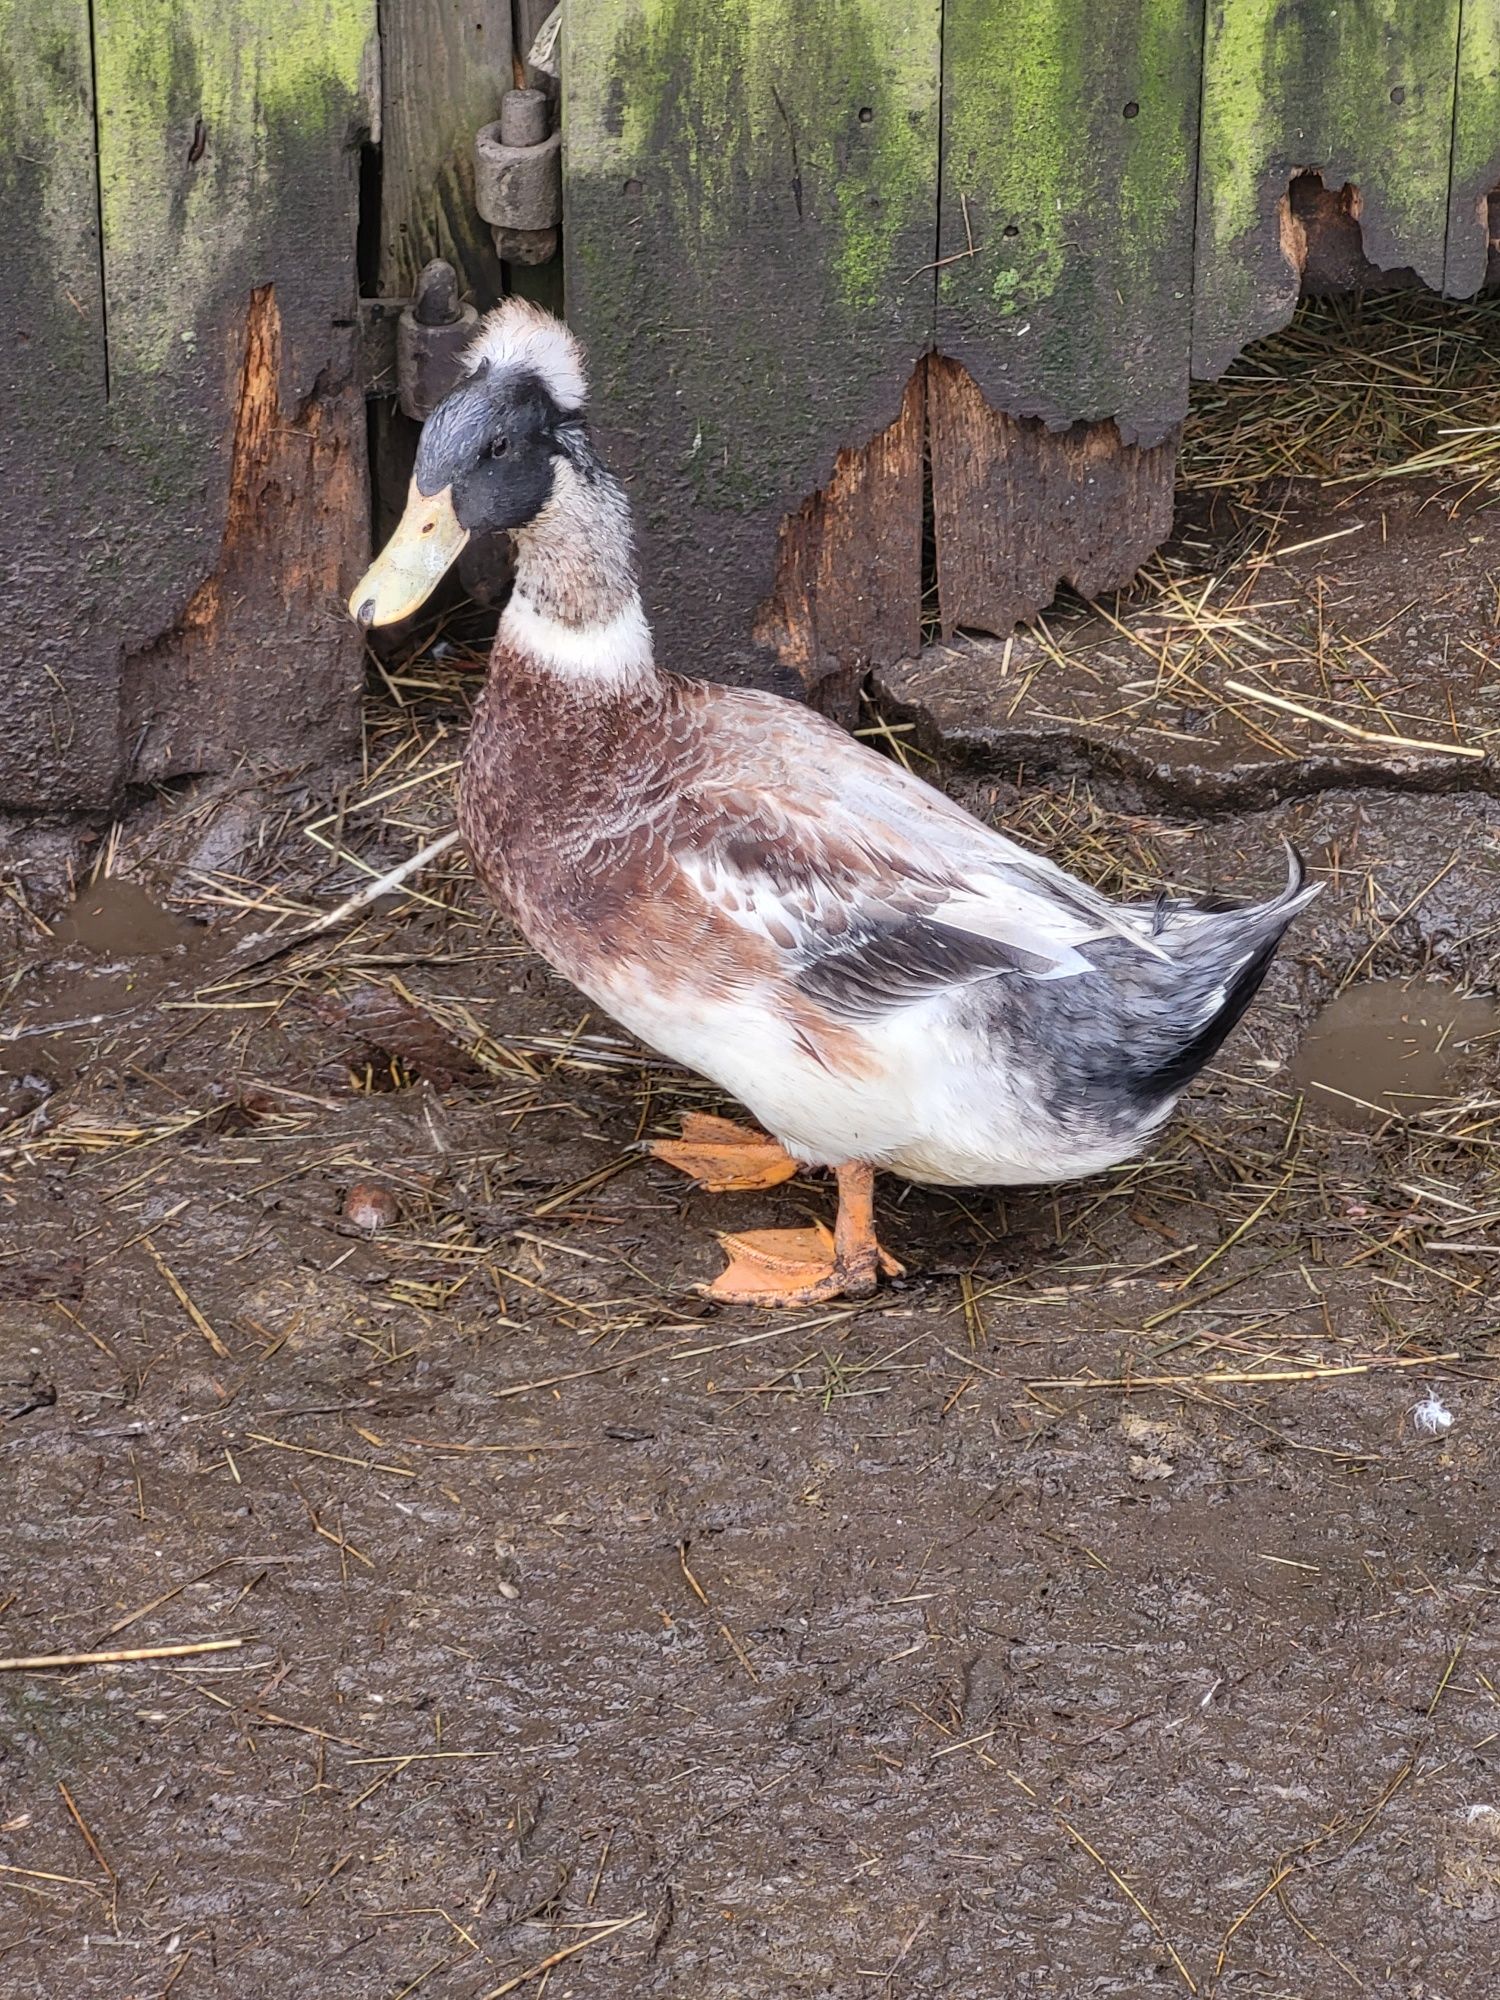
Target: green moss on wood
[[255, 81], [1069, 143], [1360, 92], [1476, 146], [751, 199], [47, 178]]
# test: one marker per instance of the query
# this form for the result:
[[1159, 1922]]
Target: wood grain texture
[[1069, 161], [1359, 93], [848, 592], [1019, 508], [529, 17], [227, 164], [1475, 173], [750, 195], [444, 66]]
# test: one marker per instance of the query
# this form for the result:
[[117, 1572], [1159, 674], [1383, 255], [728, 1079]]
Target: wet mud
[[116, 918], [1387, 1049], [1084, 1615]]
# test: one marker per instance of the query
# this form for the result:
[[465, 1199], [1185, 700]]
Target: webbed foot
[[805, 1267], [723, 1157]]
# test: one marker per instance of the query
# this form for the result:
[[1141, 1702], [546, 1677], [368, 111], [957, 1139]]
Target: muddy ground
[[1085, 1615]]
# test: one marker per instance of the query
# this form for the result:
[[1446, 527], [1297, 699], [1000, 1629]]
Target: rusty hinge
[[411, 348], [518, 177]]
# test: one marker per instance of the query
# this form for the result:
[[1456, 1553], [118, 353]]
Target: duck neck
[[575, 611]]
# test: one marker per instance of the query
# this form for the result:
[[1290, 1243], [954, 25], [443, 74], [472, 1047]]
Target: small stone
[[370, 1206]]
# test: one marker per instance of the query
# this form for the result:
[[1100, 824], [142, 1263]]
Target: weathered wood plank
[[1362, 92], [1019, 508], [750, 198], [1069, 141], [530, 17], [183, 492], [848, 591], [229, 138], [1476, 149], [444, 66], [59, 727]]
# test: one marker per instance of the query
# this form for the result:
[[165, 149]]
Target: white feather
[[520, 336], [605, 652], [1431, 1417]]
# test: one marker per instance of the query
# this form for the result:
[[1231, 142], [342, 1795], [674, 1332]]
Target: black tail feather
[[1179, 1069], [1173, 1073]]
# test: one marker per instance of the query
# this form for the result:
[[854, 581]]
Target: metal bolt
[[430, 339], [525, 117]]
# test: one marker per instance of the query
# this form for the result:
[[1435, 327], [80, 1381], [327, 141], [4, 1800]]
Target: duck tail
[[1221, 953]]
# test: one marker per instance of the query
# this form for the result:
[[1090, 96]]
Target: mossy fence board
[[183, 487], [1474, 188], [1361, 93], [751, 226]]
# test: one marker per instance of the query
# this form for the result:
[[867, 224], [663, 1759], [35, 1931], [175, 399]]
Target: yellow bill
[[413, 562]]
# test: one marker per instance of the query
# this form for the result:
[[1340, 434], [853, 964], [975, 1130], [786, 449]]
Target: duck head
[[487, 459]]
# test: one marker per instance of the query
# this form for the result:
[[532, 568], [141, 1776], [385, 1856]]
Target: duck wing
[[875, 890]]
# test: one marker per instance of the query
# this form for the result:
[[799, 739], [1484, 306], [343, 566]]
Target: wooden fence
[[775, 210], [775, 213], [184, 492]]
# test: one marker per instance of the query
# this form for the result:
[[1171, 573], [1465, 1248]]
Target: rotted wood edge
[[848, 589], [1019, 509], [258, 657]]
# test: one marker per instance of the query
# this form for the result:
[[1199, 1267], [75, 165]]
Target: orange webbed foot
[[797, 1267], [723, 1157]]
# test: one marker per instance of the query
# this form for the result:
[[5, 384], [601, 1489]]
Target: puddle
[[111, 951], [1386, 1047], [114, 918]]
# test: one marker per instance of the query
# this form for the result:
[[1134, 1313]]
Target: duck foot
[[722, 1156], [804, 1267]]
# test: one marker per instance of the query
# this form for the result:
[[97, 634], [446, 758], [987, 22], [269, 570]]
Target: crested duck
[[883, 980]]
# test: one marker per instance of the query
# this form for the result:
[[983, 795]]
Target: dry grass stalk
[[544, 1966], [1290, 707], [180, 1294], [116, 1656]]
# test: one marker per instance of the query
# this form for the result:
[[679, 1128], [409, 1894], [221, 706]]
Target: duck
[[886, 983]]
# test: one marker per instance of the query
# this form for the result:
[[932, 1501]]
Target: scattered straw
[[180, 1294], [545, 1965], [1389, 742]]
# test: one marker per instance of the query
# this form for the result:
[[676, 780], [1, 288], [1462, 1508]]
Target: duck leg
[[803, 1267], [722, 1156]]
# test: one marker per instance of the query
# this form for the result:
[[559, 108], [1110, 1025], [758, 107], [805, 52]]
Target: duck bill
[[413, 562]]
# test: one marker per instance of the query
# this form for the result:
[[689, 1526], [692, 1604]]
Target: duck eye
[[499, 446]]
